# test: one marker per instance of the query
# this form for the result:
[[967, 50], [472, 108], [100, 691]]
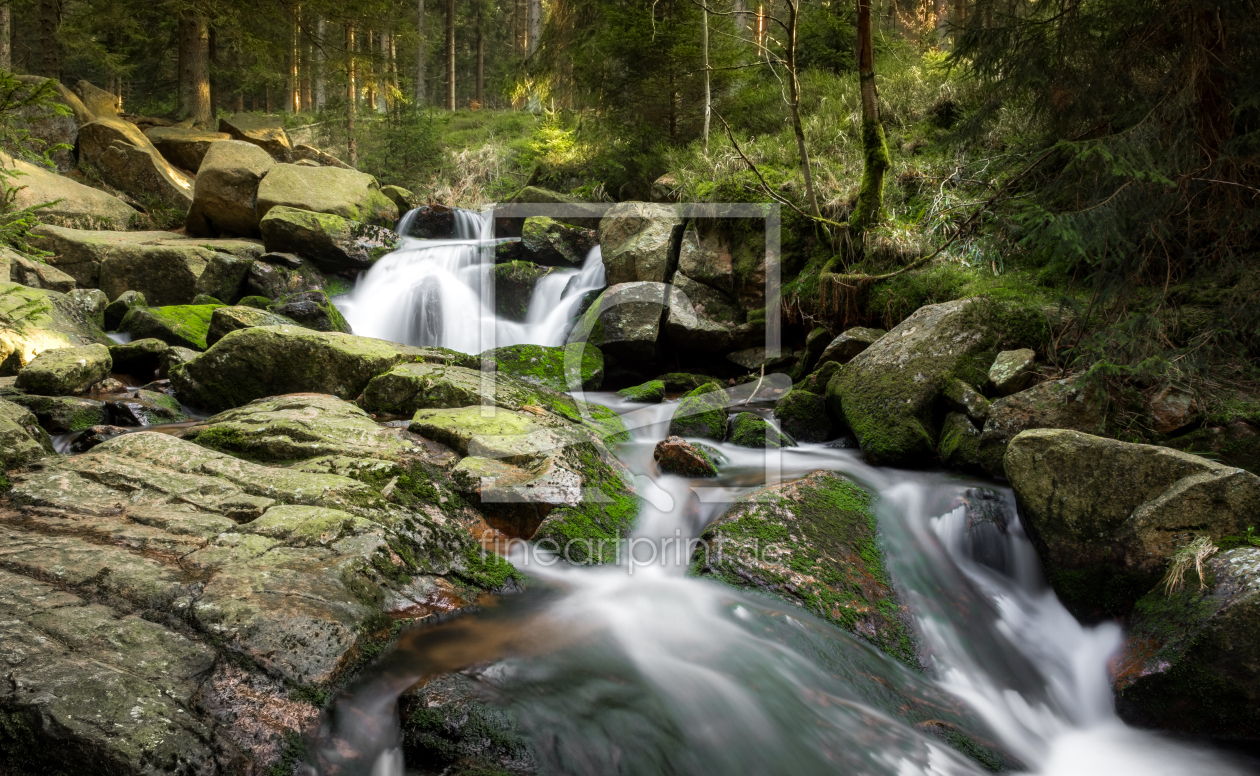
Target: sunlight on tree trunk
[[874, 144], [535, 25], [294, 96], [321, 63], [194, 67], [450, 54], [352, 99], [6, 32]]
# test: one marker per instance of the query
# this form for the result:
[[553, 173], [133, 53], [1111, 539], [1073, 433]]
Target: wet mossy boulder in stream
[[22, 440], [116, 310], [553, 244], [331, 242], [65, 371], [226, 597], [959, 446], [514, 284], [62, 414], [574, 366], [675, 455], [1191, 660], [144, 408], [312, 309], [225, 320], [1105, 516], [803, 415], [748, 429], [139, 358], [448, 725], [701, 413], [587, 501], [625, 321], [890, 393], [271, 279], [224, 277], [271, 360], [185, 326], [33, 320], [813, 542], [651, 392]]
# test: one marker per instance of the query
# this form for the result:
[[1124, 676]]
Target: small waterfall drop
[[439, 293]]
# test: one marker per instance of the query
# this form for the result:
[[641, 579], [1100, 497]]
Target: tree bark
[[6, 32], [708, 102], [421, 54], [481, 54], [49, 24], [321, 63], [293, 96], [382, 80], [874, 145], [450, 54], [194, 67], [535, 25], [794, 104], [352, 100], [307, 102]]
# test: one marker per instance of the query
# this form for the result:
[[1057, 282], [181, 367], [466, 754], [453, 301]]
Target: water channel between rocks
[[639, 668]]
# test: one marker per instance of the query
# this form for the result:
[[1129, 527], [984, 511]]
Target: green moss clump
[[256, 302], [685, 381], [749, 429], [651, 392], [545, 366], [5, 484], [701, 413], [184, 326], [489, 571]]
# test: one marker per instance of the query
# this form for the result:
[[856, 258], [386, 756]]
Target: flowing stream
[[640, 669]]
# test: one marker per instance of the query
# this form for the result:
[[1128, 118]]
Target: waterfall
[[438, 292]]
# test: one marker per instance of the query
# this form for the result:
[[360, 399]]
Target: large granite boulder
[[640, 242], [803, 415], [266, 132], [704, 320], [225, 196], [890, 394], [578, 366], [514, 284], [22, 440], [184, 148], [35, 274], [813, 542], [33, 320], [271, 360], [1072, 403], [331, 242], [625, 321], [728, 254], [65, 371], [548, 242], [350, 194], [63, 414], [312, 309], [126, 160], [224, 598], [850, 344], [1106, 516], [1191, 660], [224, 277], [72, 203], [92, 301], [225, 320], [276, 280]]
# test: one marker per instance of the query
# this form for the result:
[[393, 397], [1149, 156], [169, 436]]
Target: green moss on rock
[[546, 365], [651, 392], [701, 413], [185, 326]]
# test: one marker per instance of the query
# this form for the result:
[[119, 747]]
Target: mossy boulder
[[404, 199], [748, 429], [272, 360], [553, 244], [1074, 403], [139, 358], [640, 242], [1191, 660], [448, 724], [144, 408], [1012, 371], [675, 455], [312, 309], [803, 415], [62, 414], [185, 148], [890, 394], [1105, 516], [33, 320], [813, 542], [224, 277], [36, 274], [577, 365], [514, 284], [266, 132], [961, 397], [410, 387], [183, 325], [331, 242], [22, 441], [225, 320], [1235, 442], [92, 301], [350, 194], [704, 320], [65, 371], [273, 281], [959, 447], [701, 413], [849, 344], [651, 392], [685, 381], [625, 321], [116, 310]]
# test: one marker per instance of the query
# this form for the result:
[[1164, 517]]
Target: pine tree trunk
[[49, 23], [293, 97], [535, 25], [395, 86], [268, 106], [794, 104], [352, 100], [240, 102], [6, 32], [450, 54], [481, 54], [875, 147], [382, 80], [320, 63], [421, 55], [307, 103], [194, 67], [212, 46], [708, 104]]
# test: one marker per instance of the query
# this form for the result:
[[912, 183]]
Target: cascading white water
[[641, 669], [437, 292]]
